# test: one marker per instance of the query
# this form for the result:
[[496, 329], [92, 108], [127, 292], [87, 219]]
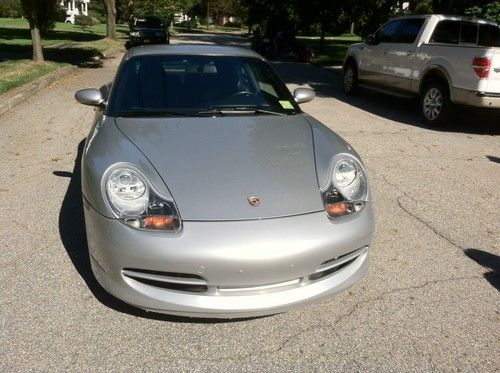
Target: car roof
[[190, 49], [451, 17]]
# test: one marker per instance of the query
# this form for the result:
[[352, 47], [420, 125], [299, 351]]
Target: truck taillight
[[481, 66]]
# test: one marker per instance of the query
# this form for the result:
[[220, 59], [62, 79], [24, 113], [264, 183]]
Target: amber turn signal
[[337, 209], [159, 222]]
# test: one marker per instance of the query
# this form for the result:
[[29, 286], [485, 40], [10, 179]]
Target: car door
[[400, 54], [373, 68]]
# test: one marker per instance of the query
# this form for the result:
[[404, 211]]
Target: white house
[[74, 8]]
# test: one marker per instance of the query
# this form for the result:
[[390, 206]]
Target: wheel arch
[[433, 74]]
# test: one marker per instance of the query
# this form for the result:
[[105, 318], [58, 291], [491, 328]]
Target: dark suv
[[149, 29]]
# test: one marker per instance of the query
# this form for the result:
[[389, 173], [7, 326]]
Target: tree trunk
[[37, 44], [111, 18]]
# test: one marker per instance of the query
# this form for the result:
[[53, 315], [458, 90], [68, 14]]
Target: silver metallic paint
[[296, 150]]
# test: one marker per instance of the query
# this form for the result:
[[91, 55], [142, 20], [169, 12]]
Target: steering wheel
[[242, 93]]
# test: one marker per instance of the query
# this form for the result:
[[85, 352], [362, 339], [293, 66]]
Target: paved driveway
[[430, 302]]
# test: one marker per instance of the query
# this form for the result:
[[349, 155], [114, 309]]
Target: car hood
[[212, 166]]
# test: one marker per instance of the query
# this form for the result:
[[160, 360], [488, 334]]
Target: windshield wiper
[[156, 113], [239, 111]]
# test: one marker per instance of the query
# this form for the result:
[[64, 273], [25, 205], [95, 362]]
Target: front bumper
[[229, 269], [484, 99]]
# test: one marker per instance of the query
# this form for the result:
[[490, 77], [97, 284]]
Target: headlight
[[134, 33], [135, 203], [347, 190]]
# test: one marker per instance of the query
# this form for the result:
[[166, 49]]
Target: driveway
[[431, 301]]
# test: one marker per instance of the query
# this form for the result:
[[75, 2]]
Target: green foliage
[[421, 6], [40, 13], [489, 11], [10, 9], [84, 21]]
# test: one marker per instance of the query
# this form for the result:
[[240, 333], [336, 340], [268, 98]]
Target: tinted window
[[152, 22], [446, 32], [193, 84], [489, 36], [409, 29], [468, 33], [388, 32]]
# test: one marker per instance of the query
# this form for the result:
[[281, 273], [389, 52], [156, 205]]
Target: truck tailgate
[[493, 85]]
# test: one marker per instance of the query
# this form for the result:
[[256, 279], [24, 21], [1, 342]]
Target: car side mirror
[[371, 39], [90, 96], [302, 95]]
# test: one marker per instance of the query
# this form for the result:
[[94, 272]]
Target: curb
[[19, 94], [14, 97]]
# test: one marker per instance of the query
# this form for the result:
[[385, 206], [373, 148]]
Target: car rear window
[[446, 32], [489, 36], [467, 33]]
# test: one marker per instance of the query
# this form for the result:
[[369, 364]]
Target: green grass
[[14, 73], [333, 50], [66, 44]]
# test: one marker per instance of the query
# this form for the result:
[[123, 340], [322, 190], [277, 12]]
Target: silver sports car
[[207, 191]]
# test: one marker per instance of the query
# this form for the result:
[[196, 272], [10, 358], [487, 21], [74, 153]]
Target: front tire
[[435, 104]]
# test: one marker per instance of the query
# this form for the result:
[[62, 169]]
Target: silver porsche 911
[[208, 192]]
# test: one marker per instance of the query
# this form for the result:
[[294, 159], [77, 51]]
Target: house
[[74, 8]]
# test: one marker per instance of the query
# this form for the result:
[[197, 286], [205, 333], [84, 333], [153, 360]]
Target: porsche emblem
[[253, 201]]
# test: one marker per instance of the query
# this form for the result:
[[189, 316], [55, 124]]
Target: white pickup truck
[[442, 59]]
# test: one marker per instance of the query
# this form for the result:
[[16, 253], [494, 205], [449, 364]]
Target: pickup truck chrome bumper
[[484, 99]]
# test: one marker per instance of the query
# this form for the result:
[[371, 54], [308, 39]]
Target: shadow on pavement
[[74, 239], [487, 260], [406, 111], [65, 52]]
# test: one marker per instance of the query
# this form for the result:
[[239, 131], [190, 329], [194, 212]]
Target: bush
[[84, 21], [61, 14], [232, 24], [10, 9]]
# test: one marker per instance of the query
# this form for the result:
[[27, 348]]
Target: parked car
[[149, 29], [208, 192], [442, 59]]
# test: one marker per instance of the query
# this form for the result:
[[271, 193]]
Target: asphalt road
[[431, 301]]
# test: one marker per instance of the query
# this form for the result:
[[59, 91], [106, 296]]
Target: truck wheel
[[350, 79], [435, 104]]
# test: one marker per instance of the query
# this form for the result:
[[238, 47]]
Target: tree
[[489, 11], [110, 6], [40, 15]]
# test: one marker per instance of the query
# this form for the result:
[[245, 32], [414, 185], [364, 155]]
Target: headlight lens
[[135, 203], [347, 191]]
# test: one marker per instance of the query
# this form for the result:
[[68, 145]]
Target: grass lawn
[[333, 51], [66, 44]]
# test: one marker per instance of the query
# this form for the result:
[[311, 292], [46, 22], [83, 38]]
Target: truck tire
[[435, 104], [350, 79]]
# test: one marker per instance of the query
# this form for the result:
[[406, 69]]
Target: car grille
[[195, 284], [168, 280]]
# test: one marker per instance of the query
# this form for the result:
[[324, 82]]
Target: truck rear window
[[463, 32]]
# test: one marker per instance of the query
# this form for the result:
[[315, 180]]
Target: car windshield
[[193, 85], [149, 22]]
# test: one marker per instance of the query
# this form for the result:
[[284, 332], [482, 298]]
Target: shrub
[[10, 9], [84, 21], [232, 24]]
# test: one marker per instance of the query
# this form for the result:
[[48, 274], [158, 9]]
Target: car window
[[446, 32], [388, 32], [408, 30], [468, 33], [149, 22], [489, 36], [195, 84]]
